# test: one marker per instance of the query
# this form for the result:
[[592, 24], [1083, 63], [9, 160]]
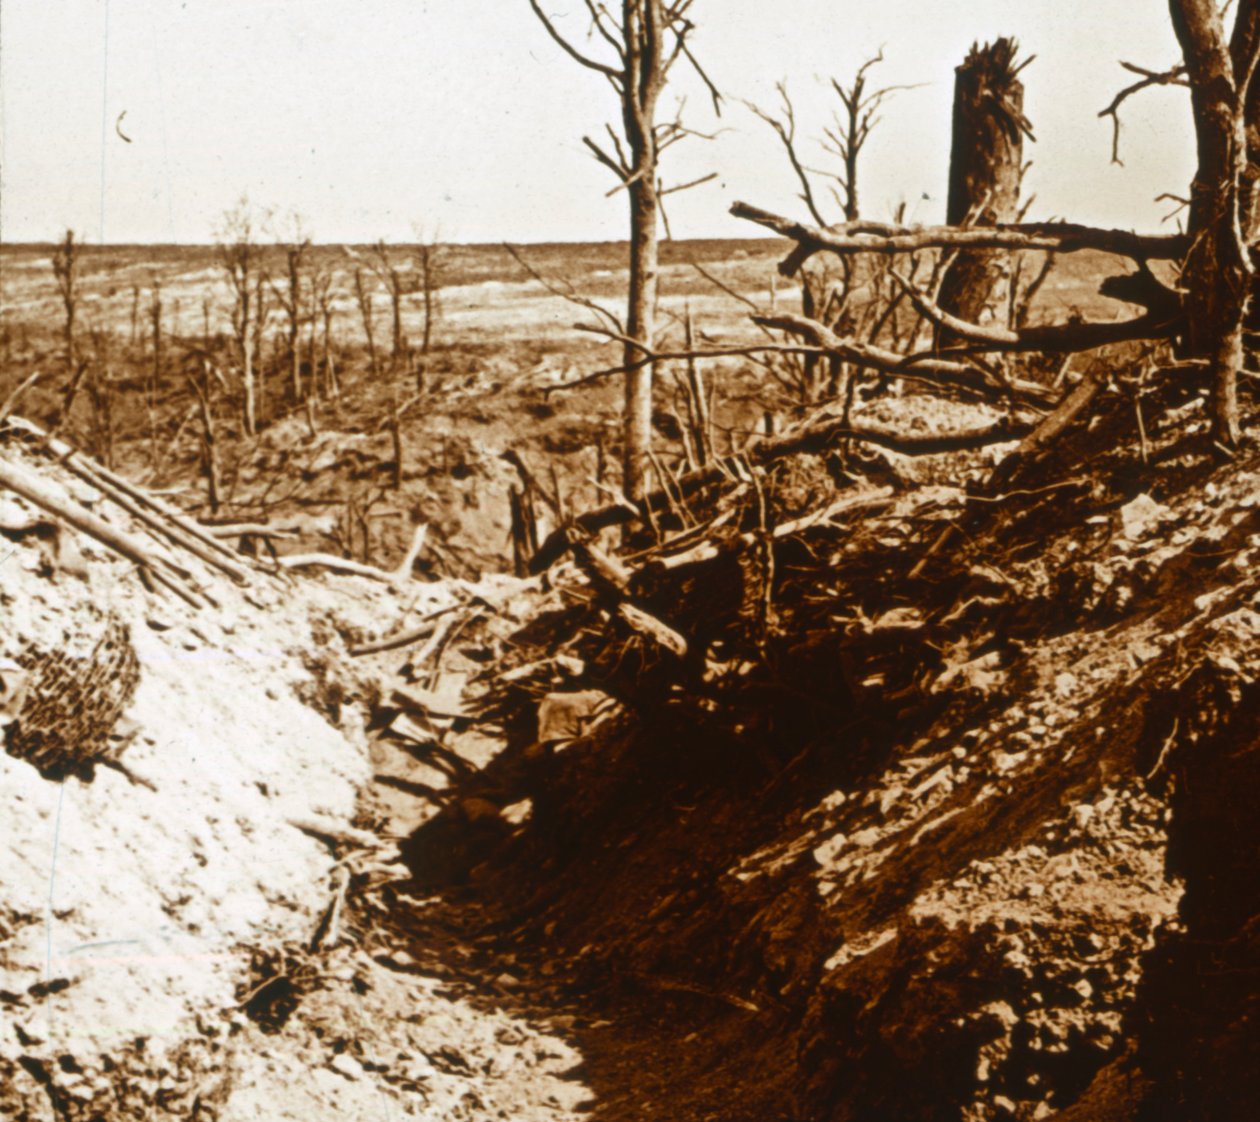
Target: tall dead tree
[[641, 48], [829, 295], [398, 284], [1216, 274], [239, 257], [986, 160]]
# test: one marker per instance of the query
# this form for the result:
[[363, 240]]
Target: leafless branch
[[591, 64], [1173, 76], [617, 168], [945, 372], [884, 238], [1048, 338], [687, 186], [565, 291], [785, 130]]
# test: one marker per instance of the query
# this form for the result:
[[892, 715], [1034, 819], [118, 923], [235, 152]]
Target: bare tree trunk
[[640, 324], [1217, 271], [643, 23], [395, 433], [650, 37], [66, 267], [984, 174], [364, 299], [209, 437], [155, 370], [331, 385]]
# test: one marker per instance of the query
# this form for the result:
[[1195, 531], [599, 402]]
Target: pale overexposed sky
[[375, 118]]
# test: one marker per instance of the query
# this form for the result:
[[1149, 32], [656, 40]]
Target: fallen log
[[1051, 338], [163, 570], [73, 458]]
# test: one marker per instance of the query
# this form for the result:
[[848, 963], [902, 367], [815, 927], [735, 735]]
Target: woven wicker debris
[[61, 706]]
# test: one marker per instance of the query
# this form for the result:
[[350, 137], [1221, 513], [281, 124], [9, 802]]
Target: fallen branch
[[10, 402], [330, 830], [404, 638], [396, 576], [877, 499], [925, 367], [157, 524], [73, 458], [163, 570], [886, 238], [611, 579], [1045, 338], [250, 529], [819, 438]]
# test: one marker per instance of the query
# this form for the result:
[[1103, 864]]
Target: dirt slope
[[159, 926], [915, 848]]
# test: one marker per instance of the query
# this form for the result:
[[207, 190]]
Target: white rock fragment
[[1065, 683], [346, 1065], [1141, 516]]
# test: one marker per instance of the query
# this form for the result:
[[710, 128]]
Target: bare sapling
[[67, 266], [100, 388], [398, 285], [363, 286], [325, 304], [429, 261], [853, 297], [203, 381], [153, 380], [293, 294]]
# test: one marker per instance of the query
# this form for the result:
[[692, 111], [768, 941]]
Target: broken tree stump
[[985, 167]]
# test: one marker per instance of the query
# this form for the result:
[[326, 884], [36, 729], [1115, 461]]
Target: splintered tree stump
[[985, 164]]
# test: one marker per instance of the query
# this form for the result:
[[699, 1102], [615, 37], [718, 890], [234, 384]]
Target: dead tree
[[642, 46], [430, 263], [202, 382], [295, 301], [1216, 273], [985, 166], [100, 387], [155, 368], [363, 297], [66, 264], [239, 257], [837, 294], [324, 300], [398, 285]]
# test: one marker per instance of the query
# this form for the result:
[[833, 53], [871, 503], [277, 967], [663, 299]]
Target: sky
[[461, 121]]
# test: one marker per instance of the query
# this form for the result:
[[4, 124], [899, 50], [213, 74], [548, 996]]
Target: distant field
[[482, 288]]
